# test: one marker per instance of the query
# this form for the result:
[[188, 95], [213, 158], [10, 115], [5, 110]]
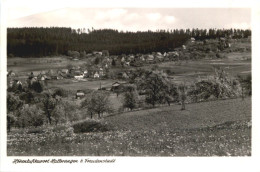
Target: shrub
[[37, 86], [60, 92], [58, 114], [91, 125], [130, 100], [30, 116], [246, 82], [27, 97], [74, 54], [219, 86]]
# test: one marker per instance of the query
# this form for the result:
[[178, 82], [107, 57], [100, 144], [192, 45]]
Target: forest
[[40, 41]]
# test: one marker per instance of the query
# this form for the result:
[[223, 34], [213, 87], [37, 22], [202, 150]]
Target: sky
[[32, 13]]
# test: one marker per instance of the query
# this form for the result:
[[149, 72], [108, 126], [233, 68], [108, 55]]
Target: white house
[[79, 77], [96, 75]]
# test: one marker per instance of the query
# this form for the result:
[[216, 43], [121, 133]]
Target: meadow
[[201, 130]]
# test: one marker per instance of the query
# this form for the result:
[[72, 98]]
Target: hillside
[[217, 128], [197, 115]]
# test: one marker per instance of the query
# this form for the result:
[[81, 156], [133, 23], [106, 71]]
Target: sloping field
[[219, 128], [196, 115]]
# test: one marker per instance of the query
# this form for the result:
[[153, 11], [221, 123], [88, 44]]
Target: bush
[[130, 100], [60, 92], [58, 114], [74, 54], [91, 125], [30, 116], [219, 86], [37, 86], [246, 82], [27, 97]]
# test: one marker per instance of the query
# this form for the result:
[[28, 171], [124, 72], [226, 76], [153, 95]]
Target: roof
[[115, 84], [80, 94]]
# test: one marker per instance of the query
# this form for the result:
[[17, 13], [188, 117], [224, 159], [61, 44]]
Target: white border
[[238, 164]]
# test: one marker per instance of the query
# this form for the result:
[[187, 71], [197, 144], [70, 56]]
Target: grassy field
[[201, 130], [73, 85]]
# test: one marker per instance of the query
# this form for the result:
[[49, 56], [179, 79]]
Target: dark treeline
[[38, 42]]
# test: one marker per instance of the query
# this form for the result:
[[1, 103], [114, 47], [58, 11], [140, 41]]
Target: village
[[99, 65]]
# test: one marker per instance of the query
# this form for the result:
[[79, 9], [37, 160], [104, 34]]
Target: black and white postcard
[[149, 85]]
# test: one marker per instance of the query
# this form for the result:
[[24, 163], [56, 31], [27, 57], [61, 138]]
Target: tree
[[11, 119], [130, 97], [170, 94], [182, 89], [59, 92], [27, 97], [13, 105], [70, 110], [37, 86], [58, 114], [97, 60], [113, 62], [155, 84], [30, 116], [49, 104], [98, 102]]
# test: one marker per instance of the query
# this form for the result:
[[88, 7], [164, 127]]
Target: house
[[10, 74], [97, 53], [142, 58], [80, 94], [96, 75], [85, 72], [159, 57], [149, 58], [159, 54], [183, 47], [122, 59], [41, 77], [125, 76], [101, 72], [16, 82], [173, 53], [65, 71], [131, 58], [115, 86], [192, 39], [79, 77], [33, 79]]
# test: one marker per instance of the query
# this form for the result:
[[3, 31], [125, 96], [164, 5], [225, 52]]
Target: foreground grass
[[220, 128]]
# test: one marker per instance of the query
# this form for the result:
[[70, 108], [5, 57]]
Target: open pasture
[[26, 65], [74, 85], [201, 130], [191, 70]]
